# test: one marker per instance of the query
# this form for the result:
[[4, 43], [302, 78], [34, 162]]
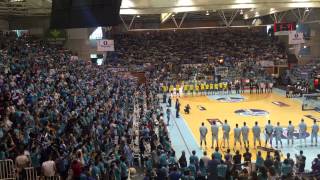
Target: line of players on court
[[215, 88], [270, 132]]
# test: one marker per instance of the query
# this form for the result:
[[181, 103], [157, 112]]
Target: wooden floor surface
[[225, 110]]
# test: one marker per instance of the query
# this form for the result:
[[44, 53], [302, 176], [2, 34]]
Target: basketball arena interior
[[159, 89]]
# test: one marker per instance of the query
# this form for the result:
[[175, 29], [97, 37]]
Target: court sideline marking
[[184, 133]]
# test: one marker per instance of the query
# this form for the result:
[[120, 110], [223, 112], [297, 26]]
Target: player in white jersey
[[226, 131], [314, 132], [237, 134], [278, 132], [215, 132], [256, 134], [290, 131], [245, 134], [303, 132], [203, 134], [174, 94], [268, 132]]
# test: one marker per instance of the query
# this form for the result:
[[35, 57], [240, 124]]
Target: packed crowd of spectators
[[72, 118], [230, 166], [304, 75], [78, 120], [241, 50]]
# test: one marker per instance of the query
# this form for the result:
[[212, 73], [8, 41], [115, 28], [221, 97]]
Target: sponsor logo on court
[[217, 120], [227, 98], [280, 104], [230, 99], [251, 112], [201, 108], [295, 134], [312, 117]]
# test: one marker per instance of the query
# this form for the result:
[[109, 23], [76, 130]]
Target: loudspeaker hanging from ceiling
[[84, 13]]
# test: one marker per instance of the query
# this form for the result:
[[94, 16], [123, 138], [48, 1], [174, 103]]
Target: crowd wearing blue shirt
[[88, 120], [229, 166], [94, 123]]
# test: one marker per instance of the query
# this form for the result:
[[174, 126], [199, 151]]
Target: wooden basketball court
[[278, 108]]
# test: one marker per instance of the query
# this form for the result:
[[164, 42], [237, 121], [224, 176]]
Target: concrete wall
[[315, 40], [37, 26], [29, 22], [78, 42], [4, 25]]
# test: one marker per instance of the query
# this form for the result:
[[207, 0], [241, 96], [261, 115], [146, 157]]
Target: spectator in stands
[[247, 156], [217, 155], [262, 173], [183, 160], [268, 162], [49, 168], [77, 169], [259, 160], [300, 162], [316, 165], [212, 168], [286, 169], [175, 174], [237, 160], [194, 159], [205, 159], [22, 161], [2, 152], [223, 170]]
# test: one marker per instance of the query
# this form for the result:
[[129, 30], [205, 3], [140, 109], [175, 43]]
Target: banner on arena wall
[[56, 36], [123, 69], [105, 45], [296, 37], [266, 63], [221, 71]]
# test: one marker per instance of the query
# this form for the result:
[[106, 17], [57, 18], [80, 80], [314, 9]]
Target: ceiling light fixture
[[13, 1], [138, 16], [307, 10], [207, 13], [272, 10], [241, 11]]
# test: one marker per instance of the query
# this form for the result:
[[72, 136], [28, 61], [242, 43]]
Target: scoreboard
[[284, 26]]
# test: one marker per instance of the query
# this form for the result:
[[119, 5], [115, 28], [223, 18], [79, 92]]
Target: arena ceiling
[[177, 10], [43, 7]]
